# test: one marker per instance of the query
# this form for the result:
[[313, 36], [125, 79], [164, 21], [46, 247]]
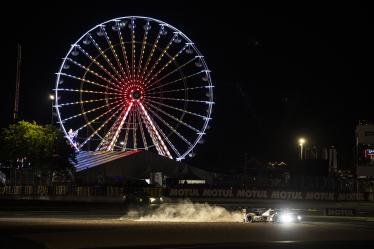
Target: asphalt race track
[[65, 230]]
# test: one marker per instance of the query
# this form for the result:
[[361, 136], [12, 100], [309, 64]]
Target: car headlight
[[298, 217], [286, 218], [152, 199]]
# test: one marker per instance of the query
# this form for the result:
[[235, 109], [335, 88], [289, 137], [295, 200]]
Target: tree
[[40, 147]]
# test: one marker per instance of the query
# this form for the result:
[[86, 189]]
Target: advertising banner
[[340, 212], [267, 194]]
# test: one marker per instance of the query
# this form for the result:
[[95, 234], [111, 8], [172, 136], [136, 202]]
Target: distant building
[[328, 154], [310, 167], [120, 167], [364, 149], [2, 178], [333, 159]]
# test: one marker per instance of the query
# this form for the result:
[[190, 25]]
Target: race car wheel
[[249, 219]]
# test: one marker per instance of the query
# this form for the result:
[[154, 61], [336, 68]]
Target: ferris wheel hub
[[133, 92], [136, 94]]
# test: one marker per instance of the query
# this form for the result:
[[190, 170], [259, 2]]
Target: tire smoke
[[190, 212]]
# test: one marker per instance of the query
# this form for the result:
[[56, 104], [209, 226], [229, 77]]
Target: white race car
[[271, 215], [258, 215]]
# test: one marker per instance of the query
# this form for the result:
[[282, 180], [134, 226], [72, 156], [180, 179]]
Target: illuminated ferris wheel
[[134, 83]]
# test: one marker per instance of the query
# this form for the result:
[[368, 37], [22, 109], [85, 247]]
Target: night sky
[[280, 71]]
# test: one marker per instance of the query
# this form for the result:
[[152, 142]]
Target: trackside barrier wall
[[199, 193]]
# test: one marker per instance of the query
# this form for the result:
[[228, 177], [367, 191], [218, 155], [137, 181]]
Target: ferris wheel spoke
[[177, 90], [123, 49], [110, 139], [114, 53], [164, 51], [145, 37], [118, 128], [167, 140], [96, 131], [135, 142], [133, 48], [154, 46], [124, 147], [156, 138], [90, 82], [98, 117], [183, 100], [138, 116], [173, 117], [172, 59], [178, 109], [170, 73], [87, 69], [93, 60], [99, 49], [100, 127], [84, 91], [86, 101], [88, 111], [174, 81], [169, 126]]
